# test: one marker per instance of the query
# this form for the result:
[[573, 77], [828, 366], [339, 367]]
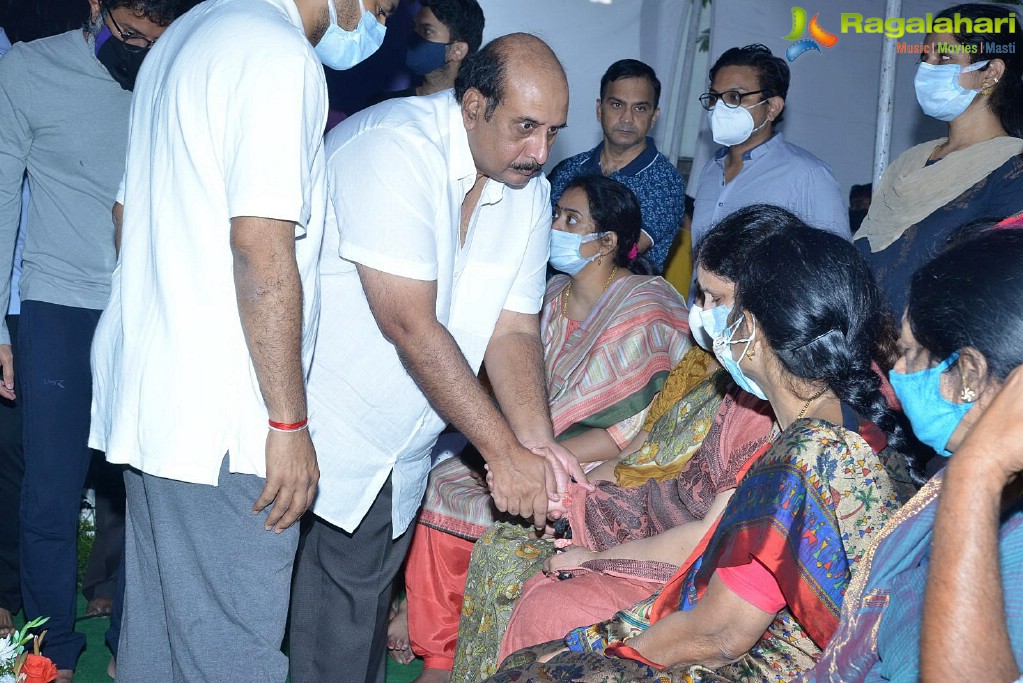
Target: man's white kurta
[[397, 175]]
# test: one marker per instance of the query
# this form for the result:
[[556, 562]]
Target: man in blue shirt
[[626, 111], [745, 103]]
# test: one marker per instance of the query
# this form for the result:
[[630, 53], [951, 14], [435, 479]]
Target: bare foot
[[6, 623], [398, 644], [434, 676], [112, 668]]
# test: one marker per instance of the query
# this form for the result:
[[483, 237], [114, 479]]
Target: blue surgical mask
[[933, 417], [565, 254], [708, 324], [723, 352], [938, 90], [340, 49], [423, 56]]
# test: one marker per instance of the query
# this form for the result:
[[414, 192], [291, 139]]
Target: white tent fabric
[[831, 109]]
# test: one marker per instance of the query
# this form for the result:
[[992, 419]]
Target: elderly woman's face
[[717, 291]]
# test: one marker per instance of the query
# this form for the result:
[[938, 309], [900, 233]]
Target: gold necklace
[[568, 291], [806, 406]]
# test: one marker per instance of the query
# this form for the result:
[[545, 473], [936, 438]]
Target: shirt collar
[[753, 154], [592, 164], [461, 167]]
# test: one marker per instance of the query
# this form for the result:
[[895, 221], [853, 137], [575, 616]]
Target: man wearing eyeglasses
[[64, 103], [755, 164]]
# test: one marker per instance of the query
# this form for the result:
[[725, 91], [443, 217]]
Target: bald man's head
[[530, 60], [514, 98]]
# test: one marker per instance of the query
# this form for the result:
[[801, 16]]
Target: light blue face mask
[[723, 352], [933, 417], [565, 254], [708, 324], [938, 90], [340, 49]]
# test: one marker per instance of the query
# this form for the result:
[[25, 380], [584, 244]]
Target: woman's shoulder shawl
[[807, 510], [612, 365], [902, 546]]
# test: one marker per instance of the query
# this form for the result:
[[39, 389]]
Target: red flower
[[38, 669]]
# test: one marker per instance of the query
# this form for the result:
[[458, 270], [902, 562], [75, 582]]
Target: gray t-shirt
[[65, 122]]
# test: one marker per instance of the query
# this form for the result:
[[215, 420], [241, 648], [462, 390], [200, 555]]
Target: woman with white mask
[[972, 80]]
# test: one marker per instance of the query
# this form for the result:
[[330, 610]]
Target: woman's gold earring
[[600, 260], [751, 353], [967, 395]]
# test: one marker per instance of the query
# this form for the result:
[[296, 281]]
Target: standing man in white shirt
[[433, 265], [201, 356]]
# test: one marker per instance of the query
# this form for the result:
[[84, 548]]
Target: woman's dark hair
[[613, 208], [772, 72], [971, 294], [724, 249], [819, 308], [999, 43]]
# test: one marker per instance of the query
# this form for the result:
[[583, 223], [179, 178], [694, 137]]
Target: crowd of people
[[393, 389]]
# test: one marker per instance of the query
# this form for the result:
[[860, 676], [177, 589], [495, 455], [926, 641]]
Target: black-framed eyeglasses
[[730, 98], [130, 39]]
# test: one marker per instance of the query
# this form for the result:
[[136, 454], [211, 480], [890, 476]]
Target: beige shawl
[[910, 190]]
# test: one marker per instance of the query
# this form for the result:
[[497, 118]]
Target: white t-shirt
[[397, 175], [227, 120]]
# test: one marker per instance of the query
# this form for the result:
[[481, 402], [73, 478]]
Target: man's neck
[[734, 158], [438, 79], [614, 158]]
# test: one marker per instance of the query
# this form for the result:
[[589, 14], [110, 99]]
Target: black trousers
[[12, 468], [340, 595]]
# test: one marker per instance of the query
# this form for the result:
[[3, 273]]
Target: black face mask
[[123, 61]]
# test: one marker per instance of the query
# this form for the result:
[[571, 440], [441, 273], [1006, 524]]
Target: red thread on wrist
[[289, 426]]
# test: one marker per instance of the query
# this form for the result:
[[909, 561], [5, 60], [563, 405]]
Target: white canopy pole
[[885, 97], [682, 78], [665, 134]]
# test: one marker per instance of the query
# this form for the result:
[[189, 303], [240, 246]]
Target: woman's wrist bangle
[[289, 426]]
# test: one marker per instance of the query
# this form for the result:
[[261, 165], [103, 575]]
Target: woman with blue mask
[[973, 80], [960, 344], [610, 338], [756, 598]]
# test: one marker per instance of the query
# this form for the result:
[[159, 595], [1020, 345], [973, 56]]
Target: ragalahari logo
[[818, 36]]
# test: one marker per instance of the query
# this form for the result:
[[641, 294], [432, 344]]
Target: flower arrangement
[[19, 666]]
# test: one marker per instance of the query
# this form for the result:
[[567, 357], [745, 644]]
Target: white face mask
[[732, 125], [939, 92], [341, 49]]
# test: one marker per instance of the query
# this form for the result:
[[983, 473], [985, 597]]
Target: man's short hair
[[485, 70], [772, 72], [160, 12], [630, 68], [464, 19]]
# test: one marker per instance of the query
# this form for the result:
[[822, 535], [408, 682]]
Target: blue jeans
[[55, 383]]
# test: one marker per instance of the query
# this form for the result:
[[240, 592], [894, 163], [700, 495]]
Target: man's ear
[[93, 11], [775, 106], [473, 108], [599, 116], [657, 114], [457, 51]]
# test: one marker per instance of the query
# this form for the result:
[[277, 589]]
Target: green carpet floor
[[92, 667]]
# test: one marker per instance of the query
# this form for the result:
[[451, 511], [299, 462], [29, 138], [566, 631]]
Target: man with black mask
[[64, 103], [445, 33]]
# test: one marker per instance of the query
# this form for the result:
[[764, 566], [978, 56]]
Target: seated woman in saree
[[633, 531], [610, 339], [974, 81], [760, 594], [959, 346]]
